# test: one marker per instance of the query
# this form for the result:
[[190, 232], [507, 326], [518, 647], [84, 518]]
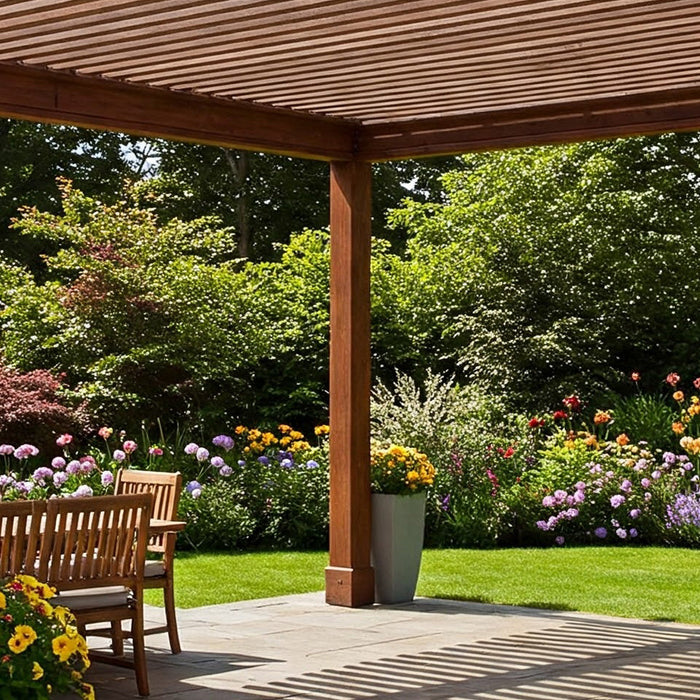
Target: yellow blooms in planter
[[400, 470], [41, 651]]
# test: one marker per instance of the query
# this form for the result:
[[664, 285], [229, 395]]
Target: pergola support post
[[349, 576]]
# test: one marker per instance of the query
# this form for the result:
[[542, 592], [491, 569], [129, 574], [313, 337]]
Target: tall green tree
[[32, 158]]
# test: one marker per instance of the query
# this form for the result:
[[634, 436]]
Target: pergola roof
[[367, 79]]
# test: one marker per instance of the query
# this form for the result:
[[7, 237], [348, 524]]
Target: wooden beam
[[349, 577], [62, 98], [569, 122]]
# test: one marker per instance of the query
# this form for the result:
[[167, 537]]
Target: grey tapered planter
[[398, 523]]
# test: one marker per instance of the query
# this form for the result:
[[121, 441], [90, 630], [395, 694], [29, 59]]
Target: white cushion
[[85, 598], [154, 567]]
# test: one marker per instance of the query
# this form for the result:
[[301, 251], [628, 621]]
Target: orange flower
[[678, 428], [622, 440], [635, 376], [601, 417], [678, 396]]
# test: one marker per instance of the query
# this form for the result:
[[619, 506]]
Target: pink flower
[[129, 446], [155, 451], [105, 433], [673, 378], [63, 440]]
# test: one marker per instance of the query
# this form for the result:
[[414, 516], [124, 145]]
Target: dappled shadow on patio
[[428, 649]]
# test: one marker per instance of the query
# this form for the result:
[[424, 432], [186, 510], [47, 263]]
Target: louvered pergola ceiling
[[367, 79]]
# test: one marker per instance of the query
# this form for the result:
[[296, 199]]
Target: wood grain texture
[[349, 577]]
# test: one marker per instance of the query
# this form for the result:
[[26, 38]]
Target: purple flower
[[685, 510], [286, 463], [645, 483], [202, 454], [669, 458], [191, 448], [118, 456], [640, 465], [41, 474], [621, 533], [445, 502], [82, 491], [25, 451], [549, 501], [559, 540], [313, 464], [24, 487], [58, 462], [596, 469], [626, 486], [647, 496], [224, 441], [579, 497], [73, 467], [263, 460], [601, 532], [193, 486], [560, 495], [580, 486], [6, 449], [241, 463], [59, 478], [225, 470], [107, 478], [633, 532], [542, 525], [635, 513], [617, 500], [656, 474], [217, 462]]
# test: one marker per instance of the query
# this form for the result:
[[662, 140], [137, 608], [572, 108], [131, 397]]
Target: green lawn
[[652, 583]]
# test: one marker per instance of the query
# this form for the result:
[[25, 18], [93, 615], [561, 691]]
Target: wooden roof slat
[[197, 40], [528, 72], [296, 76], [333, 78]]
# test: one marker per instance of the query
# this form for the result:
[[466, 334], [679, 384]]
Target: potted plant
[[41, 653], [400, 477]]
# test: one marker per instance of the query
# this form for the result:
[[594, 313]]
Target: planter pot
[[397, 544]]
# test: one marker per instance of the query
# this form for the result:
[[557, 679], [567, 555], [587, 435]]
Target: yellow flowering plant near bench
[[41, 652], [400, 470]]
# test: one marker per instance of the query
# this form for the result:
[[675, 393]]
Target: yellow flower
[[17, 644], [296, 435], [694, 409], [322, 430], [240, 429], [26, 633], [63, 615], [622, 440], [63, 646], [591, 441], [268, 439], [299, 445], [87, 692], [3, 601], [284, 428], [569, 444], [37, 671], [678, 428], [678, 396], [285, 440]]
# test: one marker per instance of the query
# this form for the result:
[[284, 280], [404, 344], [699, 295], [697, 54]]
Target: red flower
[[506, 454], [573, 402], [560, 415], [696, 383], [672, 379], [536, 422]]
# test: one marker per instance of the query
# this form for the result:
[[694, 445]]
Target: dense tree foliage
[[536, 273]]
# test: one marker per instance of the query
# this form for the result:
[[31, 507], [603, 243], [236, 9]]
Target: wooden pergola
[[353, 82]]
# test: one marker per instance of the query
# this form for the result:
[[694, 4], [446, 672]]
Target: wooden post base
[[351, 588]]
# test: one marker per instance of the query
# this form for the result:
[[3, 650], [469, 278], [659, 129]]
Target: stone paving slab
[[297, 647]]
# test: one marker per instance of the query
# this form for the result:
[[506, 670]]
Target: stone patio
[[299, 647]]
